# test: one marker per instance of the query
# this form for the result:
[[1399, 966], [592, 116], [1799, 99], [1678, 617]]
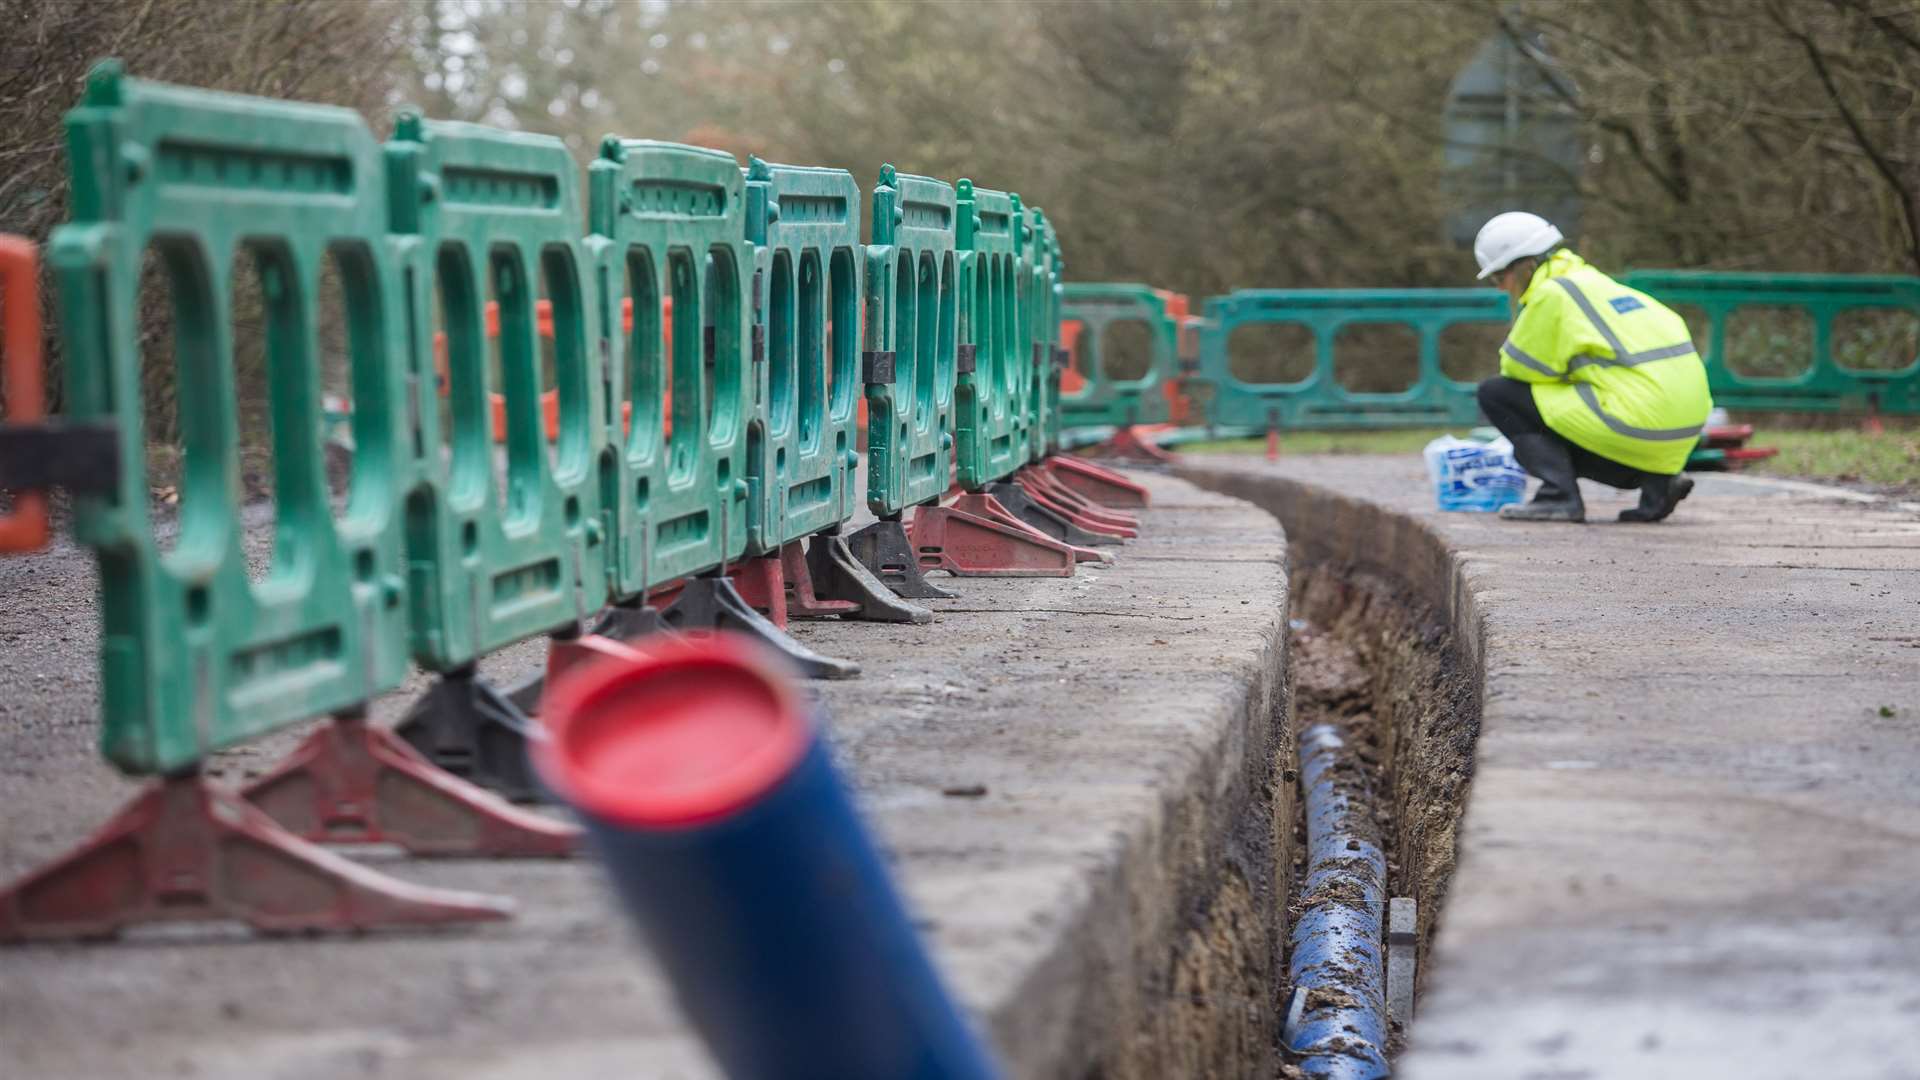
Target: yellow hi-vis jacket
[[1612, 368]]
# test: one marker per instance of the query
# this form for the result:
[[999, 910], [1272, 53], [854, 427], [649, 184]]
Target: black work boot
[[1558, 499], [1658, 496]]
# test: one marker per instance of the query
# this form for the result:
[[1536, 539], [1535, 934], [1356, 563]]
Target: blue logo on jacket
[[1624, 304]]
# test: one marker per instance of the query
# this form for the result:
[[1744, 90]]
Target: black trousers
[[1509, 406]]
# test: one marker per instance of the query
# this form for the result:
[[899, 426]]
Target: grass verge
[[1886, 461]]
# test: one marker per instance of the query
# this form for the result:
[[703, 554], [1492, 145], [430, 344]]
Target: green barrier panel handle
[[1800, 342], [669, 226], [991, 390], [909, 341], [492, 216], [804, 224], [1105, 398], [1318, 400], [196, 656]]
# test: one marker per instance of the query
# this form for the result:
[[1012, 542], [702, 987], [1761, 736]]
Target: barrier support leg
[[1043, 484], [1055, 523], [1127, 444], [468, 727], [969, 545], [804, 598], [1102, 485], [186, 850], [986, 506], [1077, 509], [712, 603], [883, 548], [762, 582], [353, 783], [630, 622], [839, 576]]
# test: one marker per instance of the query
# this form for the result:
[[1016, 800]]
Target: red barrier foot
[[1102, 485], [1043, 489], [185, 850], [615, 627], [1087, 507], [966, 545], [1726, 437], [1738, 457], [352, 783], [781, 588], [1126, 444], [565, 655], [761, 581], [986, 506], [1044, 483], [1060, 526]]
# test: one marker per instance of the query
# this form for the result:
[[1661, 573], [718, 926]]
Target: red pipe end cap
[[689, 733]]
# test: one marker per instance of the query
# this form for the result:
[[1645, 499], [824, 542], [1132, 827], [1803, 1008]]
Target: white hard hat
[[1513, 235]]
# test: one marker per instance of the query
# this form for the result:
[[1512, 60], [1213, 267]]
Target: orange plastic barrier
[[25, 529]]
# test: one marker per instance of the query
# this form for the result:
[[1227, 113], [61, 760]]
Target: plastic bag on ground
[[1474, 476]]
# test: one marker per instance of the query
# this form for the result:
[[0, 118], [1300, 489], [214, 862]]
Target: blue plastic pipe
[[1342, 1032], [733, 843]]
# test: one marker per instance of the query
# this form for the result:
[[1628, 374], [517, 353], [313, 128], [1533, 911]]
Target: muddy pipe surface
[[1342, 1031]]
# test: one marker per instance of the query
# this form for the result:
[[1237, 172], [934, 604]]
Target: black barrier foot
[[469, 728], [623, 622], [883, 548], [1047, 520], [837, 575], [712, 603]]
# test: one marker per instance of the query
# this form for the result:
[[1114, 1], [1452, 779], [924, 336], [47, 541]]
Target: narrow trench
[[1381, 672]]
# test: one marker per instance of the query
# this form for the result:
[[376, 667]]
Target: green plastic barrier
[[991, 388], [801, 462], [1318, 400], [1800, 342], [195, 656], [909, 343], [670, 221], [478, 211], [1042, 293], [1105, 398]]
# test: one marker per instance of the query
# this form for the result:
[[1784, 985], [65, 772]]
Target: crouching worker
[[1596, 380]]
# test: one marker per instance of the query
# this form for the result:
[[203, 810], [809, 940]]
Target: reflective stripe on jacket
[[1612, 368]]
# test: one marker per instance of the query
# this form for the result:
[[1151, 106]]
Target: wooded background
[[1200, 145]]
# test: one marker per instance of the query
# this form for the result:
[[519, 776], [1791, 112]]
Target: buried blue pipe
[[1341, 1032], [732, 841]]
